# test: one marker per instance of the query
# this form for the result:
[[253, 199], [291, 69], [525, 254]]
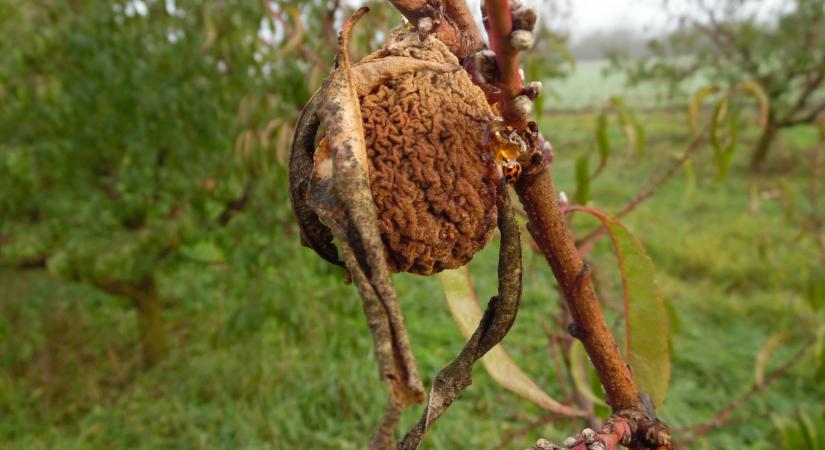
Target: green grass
[[592, 82], [270, 350]]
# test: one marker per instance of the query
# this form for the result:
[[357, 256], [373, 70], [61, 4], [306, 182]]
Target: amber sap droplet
[[501, 143], [506, 147]]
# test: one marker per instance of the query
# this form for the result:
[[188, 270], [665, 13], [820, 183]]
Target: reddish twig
[[549, 229], [451, 21], [498, 21], [616, 431], [723, 418], [646, 193], [541, 421]]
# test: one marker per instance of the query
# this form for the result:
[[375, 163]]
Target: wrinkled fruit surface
[[434, 185]]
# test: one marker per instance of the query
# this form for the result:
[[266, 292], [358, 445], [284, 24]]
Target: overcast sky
[[593, 15], [587, 16], [647, 16]]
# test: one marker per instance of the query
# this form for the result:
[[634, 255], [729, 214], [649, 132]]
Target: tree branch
[[811, 86], [651, 189], [510, 30], [808, 118], [498, 21], [695, 432], [236, 205], [549, 229], [451, 21]]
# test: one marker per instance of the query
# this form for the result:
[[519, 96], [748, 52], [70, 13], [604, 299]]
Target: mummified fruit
[[433, 180], [434, 185]]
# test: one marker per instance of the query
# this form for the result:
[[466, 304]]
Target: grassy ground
[[272, 352], [592, 82]]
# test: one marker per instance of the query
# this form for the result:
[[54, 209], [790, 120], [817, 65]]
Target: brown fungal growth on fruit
[[435, 186]]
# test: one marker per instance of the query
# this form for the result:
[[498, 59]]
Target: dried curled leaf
[[314, 234], [494, 325], [434, 185], [467, 313]]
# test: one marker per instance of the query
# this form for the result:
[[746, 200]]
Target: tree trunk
[[150, 323], [763, 146], [144, 295]]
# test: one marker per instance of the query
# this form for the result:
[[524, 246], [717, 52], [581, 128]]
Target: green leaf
[[647, 328], [790, 433], [696, 106], [810, 431], [204, 252], [641, 138], [723, 160], [632, 129], [602, 141], [723, 131], [647, 335], [467, 313], [816, 287], [578, 370], [583, 179], [801, 431], [819, 354], [720, 114], [754, 89], [690, 181], [763, 357]]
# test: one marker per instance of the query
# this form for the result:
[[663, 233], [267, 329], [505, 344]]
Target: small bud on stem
[[522, 40]]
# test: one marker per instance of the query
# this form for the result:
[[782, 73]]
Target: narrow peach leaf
[[467, 313], [578, 370], [696, 106], [755, 90], [764, 356], [647, 328]]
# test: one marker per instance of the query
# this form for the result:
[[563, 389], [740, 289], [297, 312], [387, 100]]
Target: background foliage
[[144, 141]]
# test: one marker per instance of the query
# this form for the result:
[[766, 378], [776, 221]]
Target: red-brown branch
[[549, 229], [616, 431], [453, 25], [646, 193], [498, 21]]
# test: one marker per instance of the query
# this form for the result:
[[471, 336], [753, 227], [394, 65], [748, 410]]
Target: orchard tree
[[403, 162], [131, 129], [731, 41]]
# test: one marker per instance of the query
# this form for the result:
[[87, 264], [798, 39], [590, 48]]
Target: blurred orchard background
[[154, 293]]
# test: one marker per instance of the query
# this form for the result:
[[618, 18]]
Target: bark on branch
[[450, 20], [548, 227]]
